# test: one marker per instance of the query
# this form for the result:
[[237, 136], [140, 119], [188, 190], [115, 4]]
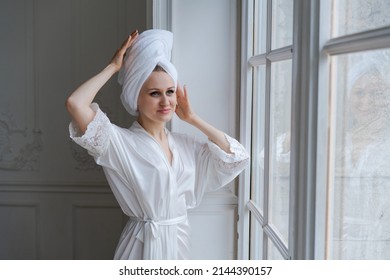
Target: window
[[353, 16], [358, 222], [271, 69], [314, 111]]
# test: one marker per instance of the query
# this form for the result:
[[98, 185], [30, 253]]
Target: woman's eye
[[155, 93], [170, 92]]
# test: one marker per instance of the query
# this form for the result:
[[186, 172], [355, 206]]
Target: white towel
[[152, 47]]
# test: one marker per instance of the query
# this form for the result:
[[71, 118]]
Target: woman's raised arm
[[78, 103]]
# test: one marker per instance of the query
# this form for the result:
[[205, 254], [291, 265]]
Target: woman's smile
[[165, 111]]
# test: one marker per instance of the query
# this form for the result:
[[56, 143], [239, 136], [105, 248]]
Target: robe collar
[[137, 127]]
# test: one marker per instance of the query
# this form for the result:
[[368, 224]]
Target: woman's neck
[[156, 130]]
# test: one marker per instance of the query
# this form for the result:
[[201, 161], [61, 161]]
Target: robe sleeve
[[216, 168], [96, 138]]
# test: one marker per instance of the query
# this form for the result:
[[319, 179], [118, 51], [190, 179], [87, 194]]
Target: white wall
[[205, 54], [205, 51]]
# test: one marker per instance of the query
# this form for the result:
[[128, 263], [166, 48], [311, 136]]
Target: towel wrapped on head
[[151, 48]]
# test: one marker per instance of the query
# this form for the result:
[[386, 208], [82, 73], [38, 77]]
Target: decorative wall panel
[[96, 230], [19, 230]]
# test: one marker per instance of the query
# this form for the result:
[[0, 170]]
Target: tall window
[[358, 222], [271, 63], [315, 114]]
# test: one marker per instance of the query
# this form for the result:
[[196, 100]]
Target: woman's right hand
[[117, 59], [79, 102]]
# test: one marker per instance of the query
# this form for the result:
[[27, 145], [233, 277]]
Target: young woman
[[155, 175]]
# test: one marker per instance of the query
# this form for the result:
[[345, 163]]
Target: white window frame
[[311, 123], [243, 224], [246, 206], [362, 41], [303, 136]]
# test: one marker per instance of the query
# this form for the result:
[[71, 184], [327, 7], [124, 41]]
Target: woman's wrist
[[112, 67], [193, 119]]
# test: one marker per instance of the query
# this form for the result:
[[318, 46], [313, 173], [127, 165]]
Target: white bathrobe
[[153, 193]]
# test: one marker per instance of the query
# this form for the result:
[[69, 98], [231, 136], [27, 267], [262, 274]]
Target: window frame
[[305, 57], [312, 121], [249, 62], [368, 40]]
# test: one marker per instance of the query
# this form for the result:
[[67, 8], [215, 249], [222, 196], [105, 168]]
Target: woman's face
[[368, 98], [157, 98]]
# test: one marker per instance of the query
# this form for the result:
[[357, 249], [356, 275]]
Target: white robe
[[153, 193]]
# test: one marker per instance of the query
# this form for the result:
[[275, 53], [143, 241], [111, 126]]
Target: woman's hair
[[158, 68]]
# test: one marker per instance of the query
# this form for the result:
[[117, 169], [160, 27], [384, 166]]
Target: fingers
[[183, 108], [181, 91], [182, 98], [129, 41], [185, 91], [119, 55], [121, 52], [133, 36], [134, 33]]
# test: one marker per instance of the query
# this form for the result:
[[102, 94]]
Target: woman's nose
[[164, 99]]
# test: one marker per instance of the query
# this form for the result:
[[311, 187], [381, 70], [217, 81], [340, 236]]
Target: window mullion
[[255, 211], [368, 40], [258, 60], [243, 225], [277, 241], [304, 113], [274, 56], [267, 127], [280, 54]]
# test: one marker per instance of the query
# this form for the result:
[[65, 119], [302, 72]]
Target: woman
[[155, 175]]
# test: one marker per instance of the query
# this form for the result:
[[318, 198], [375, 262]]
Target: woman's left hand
[[185, 113], [183, 107]]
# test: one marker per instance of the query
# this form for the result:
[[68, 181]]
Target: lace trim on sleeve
[[237, 159], [96, 137]]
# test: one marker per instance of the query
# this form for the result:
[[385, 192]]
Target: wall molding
[[45, 187], [77, 209], [36, 207], [162, 14], [212, 198]]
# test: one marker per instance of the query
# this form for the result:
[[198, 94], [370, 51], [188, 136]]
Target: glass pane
[[256, 243], [351, 16], [359, 202], [257, 189], [273, 252], [279, 174], [260, 28], [282, 23]]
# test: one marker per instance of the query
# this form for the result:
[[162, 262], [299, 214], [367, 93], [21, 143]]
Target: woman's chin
[[165, 118]]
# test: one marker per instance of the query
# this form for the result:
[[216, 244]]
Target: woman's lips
[[164, 111]]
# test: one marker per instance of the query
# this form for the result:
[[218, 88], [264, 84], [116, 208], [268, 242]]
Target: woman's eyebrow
[[158, 89]]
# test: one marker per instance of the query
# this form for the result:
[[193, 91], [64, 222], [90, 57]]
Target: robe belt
[[153, 226]]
